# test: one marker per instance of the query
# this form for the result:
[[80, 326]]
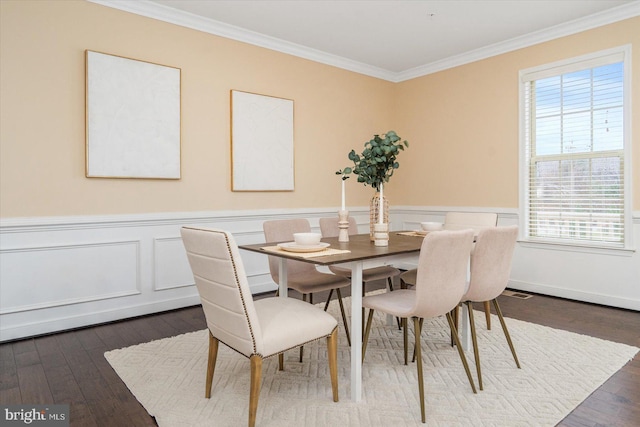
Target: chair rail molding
[[58, 273]]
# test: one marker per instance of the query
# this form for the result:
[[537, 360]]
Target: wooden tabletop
[[361, 247]]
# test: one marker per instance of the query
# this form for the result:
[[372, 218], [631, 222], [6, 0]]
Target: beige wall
[[462, 123], [43, 109]]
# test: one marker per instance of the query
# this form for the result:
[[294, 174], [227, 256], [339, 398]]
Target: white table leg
[[464, 328], [356, 331], [282, 277]]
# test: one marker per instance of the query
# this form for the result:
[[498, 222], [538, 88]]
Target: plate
[[293, 247]]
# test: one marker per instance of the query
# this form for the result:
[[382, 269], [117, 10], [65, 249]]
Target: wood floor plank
[[34, 387]]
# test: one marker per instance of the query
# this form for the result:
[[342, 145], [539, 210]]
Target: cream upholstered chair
[[256, 330], [329, 228], [441, 283], [490, 269], [460, 221], [303, 276]]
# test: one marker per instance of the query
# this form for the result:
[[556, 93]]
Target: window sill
[[570, 247]]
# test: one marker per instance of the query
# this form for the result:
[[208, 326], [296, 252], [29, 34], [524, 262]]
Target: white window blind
[[575, 152]]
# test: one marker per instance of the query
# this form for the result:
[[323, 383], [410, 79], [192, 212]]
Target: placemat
[[324, 252]]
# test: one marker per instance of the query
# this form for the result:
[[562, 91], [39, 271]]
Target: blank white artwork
[[261, 142], [133, 118]]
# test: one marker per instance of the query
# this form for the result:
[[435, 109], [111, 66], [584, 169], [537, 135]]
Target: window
[[574, 170]]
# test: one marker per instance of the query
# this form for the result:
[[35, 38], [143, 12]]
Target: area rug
[[559, 370]]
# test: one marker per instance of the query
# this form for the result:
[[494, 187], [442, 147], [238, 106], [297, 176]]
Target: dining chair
[[303, 276], [329, 228], [441, 282], [490, 269], [256, 330], [460, 221]]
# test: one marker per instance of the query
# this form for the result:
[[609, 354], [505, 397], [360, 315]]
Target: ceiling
[[394, 40]]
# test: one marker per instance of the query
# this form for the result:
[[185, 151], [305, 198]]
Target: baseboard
[[49, 325], [592, 297]]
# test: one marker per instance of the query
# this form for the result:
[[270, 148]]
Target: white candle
[[343, 204], [381, 215]]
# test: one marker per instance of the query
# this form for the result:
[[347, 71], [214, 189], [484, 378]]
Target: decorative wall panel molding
[[68, 272]]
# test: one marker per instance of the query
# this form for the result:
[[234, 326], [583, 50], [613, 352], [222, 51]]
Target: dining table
[[358, 253]]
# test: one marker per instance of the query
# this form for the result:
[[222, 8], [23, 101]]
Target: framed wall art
[[261, 143], [132, 118]]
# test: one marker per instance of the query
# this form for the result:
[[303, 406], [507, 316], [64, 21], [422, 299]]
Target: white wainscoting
[[62, 273]]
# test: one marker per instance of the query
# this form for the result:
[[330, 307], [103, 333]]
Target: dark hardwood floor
[[69, 367]]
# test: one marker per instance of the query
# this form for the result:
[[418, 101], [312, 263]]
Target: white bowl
[[431, 226], [307, 239]]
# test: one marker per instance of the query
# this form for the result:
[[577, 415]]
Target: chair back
[[282, 231], [223, 287], [442, 272], [329, 226], [491, 263], [474, 220]]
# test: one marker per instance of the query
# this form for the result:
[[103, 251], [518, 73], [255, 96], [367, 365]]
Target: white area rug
[[559, 370]]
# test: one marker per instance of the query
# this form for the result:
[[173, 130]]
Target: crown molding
[[610, 16], [160, 12]]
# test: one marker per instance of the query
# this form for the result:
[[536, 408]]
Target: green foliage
[[377, 162]]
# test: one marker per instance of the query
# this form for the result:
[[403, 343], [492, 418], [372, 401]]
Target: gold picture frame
[[133, 127], [262, 143]]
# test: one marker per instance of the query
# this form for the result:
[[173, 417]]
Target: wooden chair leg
[[332, 350], [418, 351], [456, 319], [254, 394], [460, 352], [344, 316], [281, 362], [506, 331], [211, 364], [474, 338], [365, 339], [414, 348], [487, 314]]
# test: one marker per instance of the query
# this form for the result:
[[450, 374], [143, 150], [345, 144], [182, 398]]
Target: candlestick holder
[[343, 225], [381, 234]]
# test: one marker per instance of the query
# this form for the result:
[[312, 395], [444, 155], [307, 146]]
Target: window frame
[[583, 62]]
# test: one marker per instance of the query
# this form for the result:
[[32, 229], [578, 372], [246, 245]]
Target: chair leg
[[344, 316], [390, 282], [456, 320], [416, 326], [405, 339], [254, 394], [474, 338], [326, 304], [332, 349], [281, 362], [487, 314], [414, 349], [460, 352], [211, 364], [506, 331], [366, 334]]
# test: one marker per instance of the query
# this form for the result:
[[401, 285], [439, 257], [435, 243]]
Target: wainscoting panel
[[171, 266], [69, 272], [67, 275]]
